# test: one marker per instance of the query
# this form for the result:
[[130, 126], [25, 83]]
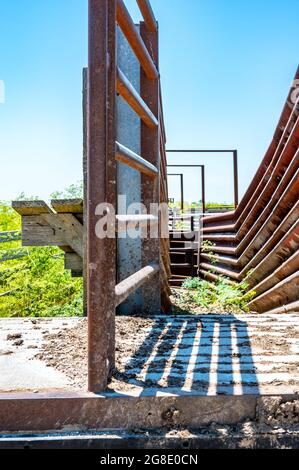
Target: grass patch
[[201, 296]]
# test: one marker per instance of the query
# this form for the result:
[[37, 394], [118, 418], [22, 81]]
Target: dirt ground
[[66, 350], [262, 359]]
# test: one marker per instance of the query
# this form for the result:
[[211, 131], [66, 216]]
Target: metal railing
[[259, 242]]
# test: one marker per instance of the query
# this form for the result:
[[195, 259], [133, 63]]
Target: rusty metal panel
[[101, 188], [150, 146], [260, 241]]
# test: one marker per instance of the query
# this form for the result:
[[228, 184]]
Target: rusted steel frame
[[130, 222], [275, 211], [130, 158], [163, 176], [262, 203], [162, 121], [125, 288], [278, 222], [165, 255], [150, 146], [85, 199], [284, 118], [181, 185], [251, 251], [203, 180], [236, 179], [290, 308], [286, 247], [287, 110], [281, 159], [212, 277], [290, 266], [279, 151], [221, 259], [282, 124], [137, 44], [284, 292], [270, 235], [222, 271], [132, 97], [148, 15], [101, 182], [219, 217]]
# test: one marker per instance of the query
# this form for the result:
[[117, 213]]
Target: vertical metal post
[[150, 149], [236, 179], [85, 146], [101, 188], [182, 191], [203, 186]]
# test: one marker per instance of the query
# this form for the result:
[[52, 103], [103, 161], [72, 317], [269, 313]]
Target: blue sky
[[226, 67]]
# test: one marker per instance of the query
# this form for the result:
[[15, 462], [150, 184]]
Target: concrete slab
[[187, 371], [20, 340], [202, 355]]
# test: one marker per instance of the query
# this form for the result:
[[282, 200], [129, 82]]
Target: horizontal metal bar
[[148, 15], [13, 236], [125, 222], [132, 97], [201, 151], [185, 217], [125, 155], [125, 288], [185, 166], [130, 31]]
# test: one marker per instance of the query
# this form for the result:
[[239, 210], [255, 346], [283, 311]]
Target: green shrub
[[223, 294], [39, 286]]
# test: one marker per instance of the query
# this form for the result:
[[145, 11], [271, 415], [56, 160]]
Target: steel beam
[[101, 188]]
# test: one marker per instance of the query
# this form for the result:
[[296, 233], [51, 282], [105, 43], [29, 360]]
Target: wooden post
[[101, 188]]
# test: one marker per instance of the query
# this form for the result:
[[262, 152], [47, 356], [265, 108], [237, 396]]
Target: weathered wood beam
[[31, 207], [62, 230], [73, 261], [68, 206]]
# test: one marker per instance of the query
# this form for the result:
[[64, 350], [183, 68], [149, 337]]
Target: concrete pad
[[20, 341], [188, 371], [201, 355]]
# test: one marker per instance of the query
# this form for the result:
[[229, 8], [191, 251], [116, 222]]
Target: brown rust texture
[[101, 183]]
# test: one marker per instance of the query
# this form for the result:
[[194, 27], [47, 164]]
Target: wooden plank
[[69, 227], [31, 207], [77, 274], [61, 230], [73, 262], [68, 206]]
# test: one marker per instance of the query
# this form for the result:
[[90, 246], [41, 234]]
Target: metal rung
[[125, 88], [130, 31], [125, 222], [125, 155], [125, 288], [148, 15]]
